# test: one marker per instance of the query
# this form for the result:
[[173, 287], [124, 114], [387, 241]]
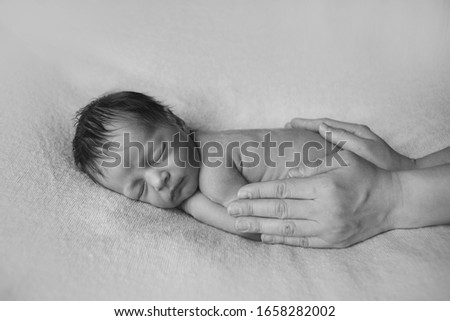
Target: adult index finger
[[288, 228], [294, 188], [274, 208], [314, 124]]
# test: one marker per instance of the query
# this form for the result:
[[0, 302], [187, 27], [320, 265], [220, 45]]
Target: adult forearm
[[438, 158], [423, 197]]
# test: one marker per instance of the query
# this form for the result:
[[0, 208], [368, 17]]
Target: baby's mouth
[[175, 189]]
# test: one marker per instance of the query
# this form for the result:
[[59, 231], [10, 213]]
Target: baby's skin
[[214, 166]]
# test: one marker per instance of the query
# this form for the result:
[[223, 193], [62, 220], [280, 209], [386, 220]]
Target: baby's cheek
[[156, 200], [190, 189]]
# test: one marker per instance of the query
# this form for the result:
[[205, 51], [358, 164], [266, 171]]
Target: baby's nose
[[161, 180]]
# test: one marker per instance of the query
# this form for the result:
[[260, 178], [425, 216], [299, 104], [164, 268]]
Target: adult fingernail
[[234, 210], [242, 225], [244, 194], [323, 127]]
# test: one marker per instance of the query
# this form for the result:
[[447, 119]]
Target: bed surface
[[220, 65]]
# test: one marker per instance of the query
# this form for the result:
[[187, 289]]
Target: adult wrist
[[396, 200], [409, 192]]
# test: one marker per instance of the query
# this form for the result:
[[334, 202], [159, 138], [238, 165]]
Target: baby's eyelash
[[155, 162]]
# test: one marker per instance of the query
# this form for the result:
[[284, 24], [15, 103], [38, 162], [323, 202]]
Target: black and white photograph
[[225, 150]]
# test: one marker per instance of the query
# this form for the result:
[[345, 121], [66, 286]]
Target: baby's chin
[[179, 200], [171, 204]]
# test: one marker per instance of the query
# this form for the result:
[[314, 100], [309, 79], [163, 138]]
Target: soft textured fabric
[[219, 64]]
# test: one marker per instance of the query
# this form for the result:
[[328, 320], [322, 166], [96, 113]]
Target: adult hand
[[336, 208], [359, 139]]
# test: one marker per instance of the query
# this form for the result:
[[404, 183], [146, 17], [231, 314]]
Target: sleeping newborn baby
[[135, 146]]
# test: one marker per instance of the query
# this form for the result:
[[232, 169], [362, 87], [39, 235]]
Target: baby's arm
[[221, 183], [219, 186], [213, 214]]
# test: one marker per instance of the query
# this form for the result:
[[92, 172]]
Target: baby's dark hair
[[93, 124]]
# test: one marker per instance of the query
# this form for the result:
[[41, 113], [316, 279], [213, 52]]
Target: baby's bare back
[[231, 159]]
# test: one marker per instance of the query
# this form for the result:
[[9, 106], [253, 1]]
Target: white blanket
[[220, 64]]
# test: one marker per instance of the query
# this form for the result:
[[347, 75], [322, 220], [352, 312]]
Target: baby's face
[[163, 181]]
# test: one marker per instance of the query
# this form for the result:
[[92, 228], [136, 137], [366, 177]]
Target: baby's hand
[[358, 139]]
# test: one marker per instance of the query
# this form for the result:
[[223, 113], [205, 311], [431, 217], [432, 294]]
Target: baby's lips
[[175, 189]]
